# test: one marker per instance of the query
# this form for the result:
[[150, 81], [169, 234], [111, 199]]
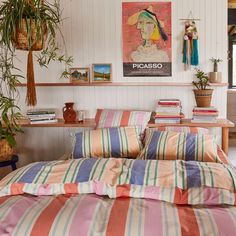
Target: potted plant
[[215, 76], [203, 95], [9, 112], [32, 25]]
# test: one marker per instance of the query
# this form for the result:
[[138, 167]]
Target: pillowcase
[[112, 142], [168, 145], [177, 129], [106, 118], [183, 129]]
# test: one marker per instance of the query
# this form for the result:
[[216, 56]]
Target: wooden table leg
[[225, 140]]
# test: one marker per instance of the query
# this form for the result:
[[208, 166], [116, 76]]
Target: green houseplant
[[203, 95], [32, 25], [10, 113]]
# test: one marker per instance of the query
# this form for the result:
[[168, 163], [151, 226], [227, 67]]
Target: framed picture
[[79, 75], [147, 31], [102, 73]]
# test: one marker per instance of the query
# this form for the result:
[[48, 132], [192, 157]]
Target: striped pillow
[[112, 142], [106, 118], [168, 145], [183, 129]]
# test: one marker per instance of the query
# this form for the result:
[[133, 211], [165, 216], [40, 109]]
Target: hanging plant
[[32, 25]]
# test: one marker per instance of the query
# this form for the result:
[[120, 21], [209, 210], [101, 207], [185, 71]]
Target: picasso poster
[[146, 38]]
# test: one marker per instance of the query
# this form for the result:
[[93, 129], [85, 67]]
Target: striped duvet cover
[[119, 197]]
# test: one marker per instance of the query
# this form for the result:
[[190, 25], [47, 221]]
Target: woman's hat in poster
[[150, 14]]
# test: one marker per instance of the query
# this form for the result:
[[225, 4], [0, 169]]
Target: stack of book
[[205, 115], [40, 116], [168, 111]]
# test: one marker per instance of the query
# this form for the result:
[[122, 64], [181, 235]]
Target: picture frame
[[80, 75], [102, 73]]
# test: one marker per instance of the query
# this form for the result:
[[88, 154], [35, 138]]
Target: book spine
[[169, 104], [44, 121], [41, 116]]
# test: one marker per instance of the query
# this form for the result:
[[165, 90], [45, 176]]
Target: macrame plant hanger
[[21, 43], [190, 42]]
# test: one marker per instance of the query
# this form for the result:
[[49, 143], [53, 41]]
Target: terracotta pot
[[21, 38], [203, 97], [69, 114], [6, 151]]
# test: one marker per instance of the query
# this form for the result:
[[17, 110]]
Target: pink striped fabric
[[106, 118], [93, 215]]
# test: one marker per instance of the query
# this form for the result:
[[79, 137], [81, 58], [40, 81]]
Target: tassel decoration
[[190, 45], [31, 91]]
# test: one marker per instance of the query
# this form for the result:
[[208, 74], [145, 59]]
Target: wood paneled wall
[[93, 34]]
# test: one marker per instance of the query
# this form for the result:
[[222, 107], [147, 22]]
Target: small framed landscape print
[[79, 75], [102, 73]]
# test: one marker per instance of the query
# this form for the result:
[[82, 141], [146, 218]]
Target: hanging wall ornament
[[190, 45]]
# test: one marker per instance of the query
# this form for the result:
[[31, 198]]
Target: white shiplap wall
[[93, 34]]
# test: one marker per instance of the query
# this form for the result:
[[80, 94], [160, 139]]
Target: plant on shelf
[[215, 76], [203, 95], [32, 25], [215, 62], [9, 111]]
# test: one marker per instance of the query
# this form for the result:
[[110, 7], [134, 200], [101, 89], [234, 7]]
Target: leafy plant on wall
[[32, 25]]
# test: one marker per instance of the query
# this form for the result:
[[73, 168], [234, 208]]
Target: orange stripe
[[188, 221], [125, 118], [17, 188], [3, 199], [193, 130], [97, 117], [221, 155], [123, 190], [45, 220], [181, 196], [117, 221], [71, 188]]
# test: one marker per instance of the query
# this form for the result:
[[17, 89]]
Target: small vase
[[69, 114], [215, 77]]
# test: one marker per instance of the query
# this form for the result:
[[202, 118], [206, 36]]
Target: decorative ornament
[[190, 45]]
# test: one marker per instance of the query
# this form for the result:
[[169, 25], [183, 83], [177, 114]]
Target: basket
[[203, 97], [6, 151], [21, 38]]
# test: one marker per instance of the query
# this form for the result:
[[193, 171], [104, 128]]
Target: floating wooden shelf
[[221, 123], [120, 84], [91, 124], [88, 123]]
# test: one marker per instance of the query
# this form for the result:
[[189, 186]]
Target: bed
[[119, 197], [178, 183]]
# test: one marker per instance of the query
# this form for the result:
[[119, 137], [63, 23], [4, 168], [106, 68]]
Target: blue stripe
[[30, 174], [115, 142], [138, 172], [193, 174], [152, 147], [190, 147], [85, 169], [78, 150]]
